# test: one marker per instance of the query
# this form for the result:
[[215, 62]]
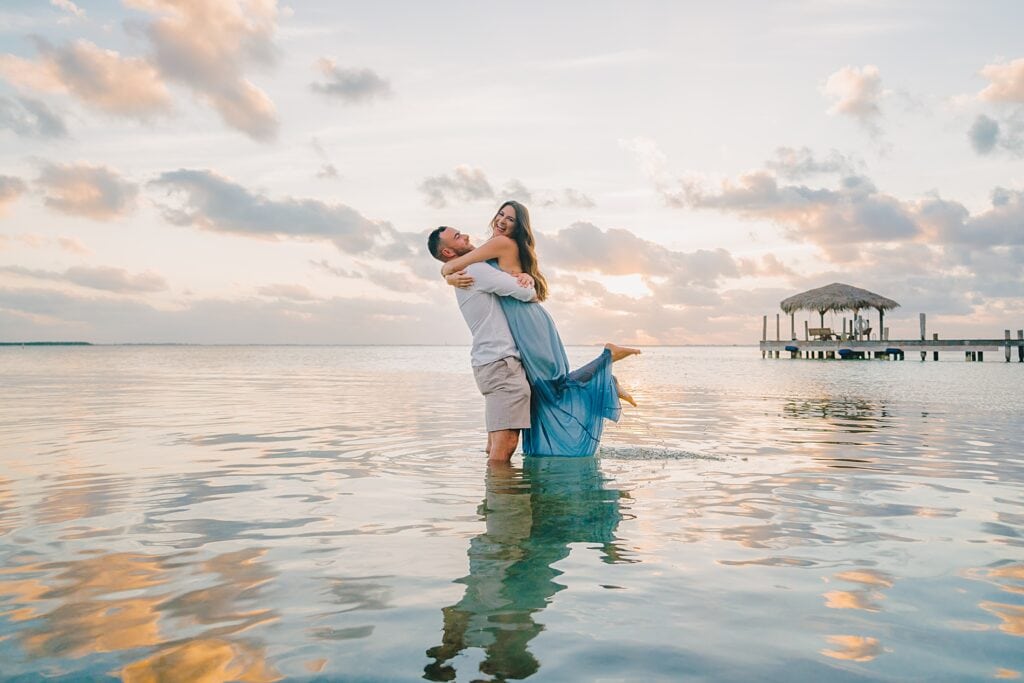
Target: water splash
[[653, 453]]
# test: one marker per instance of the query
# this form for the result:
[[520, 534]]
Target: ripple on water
[[267, 513]]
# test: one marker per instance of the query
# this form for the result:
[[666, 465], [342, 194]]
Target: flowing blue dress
[[567, 408]]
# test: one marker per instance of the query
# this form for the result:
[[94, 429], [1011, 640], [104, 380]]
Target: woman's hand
[[525, 280], [460, 280]]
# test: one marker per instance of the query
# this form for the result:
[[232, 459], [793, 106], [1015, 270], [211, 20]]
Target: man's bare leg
[[620, 352], [503, 444], [487, 449]]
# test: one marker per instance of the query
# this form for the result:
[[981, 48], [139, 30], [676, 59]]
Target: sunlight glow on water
[[259, 513]]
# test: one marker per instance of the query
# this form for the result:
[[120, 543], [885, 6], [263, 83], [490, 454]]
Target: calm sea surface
[[326, 513]]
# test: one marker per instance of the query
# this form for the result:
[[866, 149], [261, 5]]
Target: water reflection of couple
[[532, 516], [519, 362]]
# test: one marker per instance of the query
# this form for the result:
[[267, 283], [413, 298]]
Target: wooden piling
[[764, 332], [807, 334], [1020, 349], [792, 326], [935, 354], [923, 353], [1007, 346]]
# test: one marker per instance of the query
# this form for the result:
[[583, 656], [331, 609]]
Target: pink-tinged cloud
[[767, 265], [74, 246], [95, 192], [1006, 82], [286, 291], [102, 79], [34, 313], [68, 244], [102, 278], [853, 220], [853, 212], [856, 92], [585, 247], [115, 279], [207, 45], [10, 189]]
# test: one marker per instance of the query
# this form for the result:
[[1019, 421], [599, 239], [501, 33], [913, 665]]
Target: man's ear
[[447, 253]]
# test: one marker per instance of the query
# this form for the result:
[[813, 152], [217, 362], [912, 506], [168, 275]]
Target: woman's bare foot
[[620, 352], [624, 395]]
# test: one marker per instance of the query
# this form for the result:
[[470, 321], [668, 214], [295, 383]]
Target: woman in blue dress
[[568, 407]]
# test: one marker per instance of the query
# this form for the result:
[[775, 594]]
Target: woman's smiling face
[[504, 222]]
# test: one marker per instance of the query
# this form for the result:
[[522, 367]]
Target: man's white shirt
[[479, 304]]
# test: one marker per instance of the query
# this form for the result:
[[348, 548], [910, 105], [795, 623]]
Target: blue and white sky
[[249, 171]]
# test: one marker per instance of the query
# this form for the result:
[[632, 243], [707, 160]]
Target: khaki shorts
[[506, 394]]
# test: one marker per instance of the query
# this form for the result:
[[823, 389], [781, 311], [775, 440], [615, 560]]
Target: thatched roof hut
[[838, 297]]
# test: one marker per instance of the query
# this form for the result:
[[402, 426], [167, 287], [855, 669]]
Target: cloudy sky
[[249, 171]]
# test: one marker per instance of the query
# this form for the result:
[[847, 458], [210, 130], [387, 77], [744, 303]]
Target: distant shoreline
[[47, 343]]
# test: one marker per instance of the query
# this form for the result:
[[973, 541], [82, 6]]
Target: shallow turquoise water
[[259, 513]]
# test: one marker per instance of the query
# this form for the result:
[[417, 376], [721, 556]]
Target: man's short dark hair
[[434, 242]]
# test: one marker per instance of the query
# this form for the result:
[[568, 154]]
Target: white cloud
[[69, 7], [797, 163], [469, 184], [337, 271], [652, 160], [212, 202], [329, 171], [465, 184], [350, 85], [31, 118], [987, 135]]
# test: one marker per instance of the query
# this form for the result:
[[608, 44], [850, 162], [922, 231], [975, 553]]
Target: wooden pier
[[821, 343]]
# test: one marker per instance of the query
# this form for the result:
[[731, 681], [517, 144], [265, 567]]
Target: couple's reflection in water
[[533, 515]]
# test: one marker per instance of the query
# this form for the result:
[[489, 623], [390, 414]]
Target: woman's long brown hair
[[523, 235]]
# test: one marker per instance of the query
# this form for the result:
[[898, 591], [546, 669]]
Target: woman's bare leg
[[620, 352], [623, 394]]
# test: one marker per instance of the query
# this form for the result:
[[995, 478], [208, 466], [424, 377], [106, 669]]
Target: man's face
[[454, 243]]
